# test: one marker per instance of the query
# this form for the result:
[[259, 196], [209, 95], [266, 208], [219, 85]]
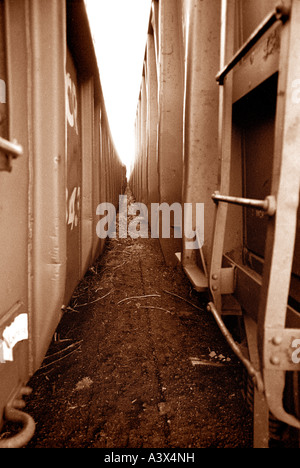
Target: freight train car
[[218, 122], [57, 163]]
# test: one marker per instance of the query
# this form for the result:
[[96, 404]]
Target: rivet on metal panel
[[275, 360], [277, 340]]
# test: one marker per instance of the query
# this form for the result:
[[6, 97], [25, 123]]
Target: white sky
[[119, 29]]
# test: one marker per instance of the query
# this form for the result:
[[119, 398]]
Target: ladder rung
[[281, 13], [12, 148], [268, 205]]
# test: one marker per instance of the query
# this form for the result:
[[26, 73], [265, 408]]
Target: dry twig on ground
[[137, 297]]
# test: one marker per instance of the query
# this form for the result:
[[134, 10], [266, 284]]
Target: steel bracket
[[223, 281], [282, 349]]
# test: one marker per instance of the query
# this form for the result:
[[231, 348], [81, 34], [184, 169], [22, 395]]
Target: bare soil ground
[[133, 366]]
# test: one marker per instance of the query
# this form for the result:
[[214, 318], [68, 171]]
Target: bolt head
[[275, 360], [277, 340]]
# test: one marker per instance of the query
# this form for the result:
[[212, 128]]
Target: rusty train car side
[[218, 123], [57, 163]]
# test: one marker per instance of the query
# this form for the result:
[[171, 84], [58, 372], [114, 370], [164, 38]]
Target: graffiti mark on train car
[[16, 332], [73, 207], [71, 103]]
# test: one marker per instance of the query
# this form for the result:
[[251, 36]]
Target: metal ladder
[[9, 150], [274, 341]]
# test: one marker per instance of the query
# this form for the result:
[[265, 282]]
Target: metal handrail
[[12, 148], [268, 205], [253, 373], [281, 13]]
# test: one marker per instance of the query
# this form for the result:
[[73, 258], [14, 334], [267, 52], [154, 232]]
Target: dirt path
[[150, 372]]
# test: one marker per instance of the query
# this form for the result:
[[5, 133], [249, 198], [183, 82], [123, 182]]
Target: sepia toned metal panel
[[170, 133], [47, 69], [249, 15], [201, 106], [14, 185], [87, 118], [152, 122], [4, 163], [74, 177]]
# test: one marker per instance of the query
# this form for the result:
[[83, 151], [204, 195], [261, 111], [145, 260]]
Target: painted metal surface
[[157, 175], [264, 159], [4, 165], [74, 176], [281, 13], [281, 235], [48, 178], [238, 143], [201, 105], [14, 301], [48, 201]]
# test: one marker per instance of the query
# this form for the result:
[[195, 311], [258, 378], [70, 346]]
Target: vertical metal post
[[170, 138], [225, 136], [280, 243]]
